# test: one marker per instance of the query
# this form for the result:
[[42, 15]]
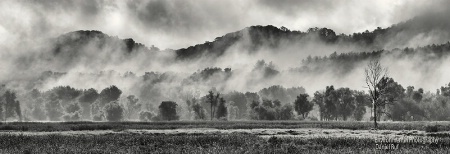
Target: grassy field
[[198, 143], [261, 137], [80, 126]]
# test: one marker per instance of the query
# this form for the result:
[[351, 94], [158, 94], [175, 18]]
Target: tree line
[[65, 103], [386, 100]]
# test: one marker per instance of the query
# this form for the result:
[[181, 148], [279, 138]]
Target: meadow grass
[[199, 143], [132, 142], [86, 125]]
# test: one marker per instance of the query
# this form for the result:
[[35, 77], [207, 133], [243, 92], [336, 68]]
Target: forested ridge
[[72, 89], [65, 103]]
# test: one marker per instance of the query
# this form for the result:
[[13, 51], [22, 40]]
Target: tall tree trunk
[[375, 115]]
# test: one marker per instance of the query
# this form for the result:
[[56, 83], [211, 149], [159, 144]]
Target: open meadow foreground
[[225, 137], [224, 76]]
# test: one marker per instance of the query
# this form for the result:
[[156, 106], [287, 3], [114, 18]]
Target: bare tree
[[374, 74]]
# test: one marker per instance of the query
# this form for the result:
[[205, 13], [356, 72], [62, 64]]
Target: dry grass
[[223, 137], [81, 126], [200, 143]]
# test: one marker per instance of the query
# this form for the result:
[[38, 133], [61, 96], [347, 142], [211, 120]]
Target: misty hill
[[85, 49], [255, 38], [94, 51], [71, 42], [420, 31], [427, 53]]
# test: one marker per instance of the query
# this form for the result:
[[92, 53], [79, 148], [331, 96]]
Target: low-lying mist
[[247, 61]]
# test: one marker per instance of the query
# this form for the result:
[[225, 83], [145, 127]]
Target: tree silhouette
[[168, 111], [212, 100], [87, 98], [221, 109], [330, 103], [10, 98], [346, 105], [114, 112], [374, 73], [285, 112], [109, 94], [240, 102], [270, 110], [319, 99], [133, 106], [391, 93], [302, 105], [362, 100], [18, 110], [12, 106], [199, 111]]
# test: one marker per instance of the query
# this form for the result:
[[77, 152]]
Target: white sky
[[182, 23]]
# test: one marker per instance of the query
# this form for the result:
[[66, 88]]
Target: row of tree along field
[[65, 103]]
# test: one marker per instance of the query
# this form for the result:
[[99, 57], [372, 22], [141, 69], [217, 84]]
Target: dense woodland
[[204, 95], [65, 103]]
